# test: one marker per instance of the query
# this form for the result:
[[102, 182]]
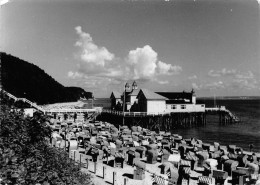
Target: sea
[[241, 134]]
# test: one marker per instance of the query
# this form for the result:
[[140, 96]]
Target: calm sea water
[[240, 134]]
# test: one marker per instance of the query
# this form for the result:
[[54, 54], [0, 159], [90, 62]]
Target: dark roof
[[176, 95], [116, 94], [177, 102], [134, 92], [151, 95]]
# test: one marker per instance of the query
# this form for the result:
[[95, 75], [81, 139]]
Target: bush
[[27, 158]]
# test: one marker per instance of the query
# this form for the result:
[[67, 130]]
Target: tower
[[134, 85], [127, 87], [193, 96]]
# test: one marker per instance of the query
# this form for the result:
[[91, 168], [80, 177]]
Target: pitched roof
[[116, 94], [134, 92], [176, 95], [151, 95]]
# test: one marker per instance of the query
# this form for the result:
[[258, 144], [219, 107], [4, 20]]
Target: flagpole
[[124, 109]]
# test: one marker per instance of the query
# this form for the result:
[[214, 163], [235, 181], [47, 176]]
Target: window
[[173, 106], [183, 106]]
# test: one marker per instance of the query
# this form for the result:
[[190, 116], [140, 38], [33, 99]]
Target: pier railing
[[223, 109], [62, 110], [135, 114]]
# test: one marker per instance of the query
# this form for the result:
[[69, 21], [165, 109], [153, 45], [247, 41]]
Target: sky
[[211, 46]]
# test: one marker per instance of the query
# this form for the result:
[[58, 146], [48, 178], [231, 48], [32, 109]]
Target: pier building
[[144, 100]]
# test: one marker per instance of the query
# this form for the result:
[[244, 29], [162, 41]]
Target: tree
[[26, 156]]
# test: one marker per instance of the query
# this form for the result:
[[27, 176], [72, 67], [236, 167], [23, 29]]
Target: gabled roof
[[134, 92], [149, 95], [176, 95], [116, 94]]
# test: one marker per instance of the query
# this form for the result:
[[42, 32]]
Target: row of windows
[[183, 106], [175, 106]]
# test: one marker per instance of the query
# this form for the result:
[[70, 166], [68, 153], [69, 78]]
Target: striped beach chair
[[206, 180], [158, 179]]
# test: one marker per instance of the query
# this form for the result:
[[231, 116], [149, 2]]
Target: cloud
[[163, 82], [212, 73], [168, 69], [245, 75], [144, 63], [245, 84], [240, 80], [258, 1], [2, 2], [75, 75], [192, 77], [97, 62], [196, 86], [223, 72], [90, 52], [215, 85], [209, 85]]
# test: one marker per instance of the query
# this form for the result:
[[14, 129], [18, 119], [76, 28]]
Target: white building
[[143, 100], [150, 102]]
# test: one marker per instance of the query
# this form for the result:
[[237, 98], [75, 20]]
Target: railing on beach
[[107, 173]]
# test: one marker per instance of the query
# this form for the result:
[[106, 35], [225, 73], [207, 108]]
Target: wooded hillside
[[27, 80]]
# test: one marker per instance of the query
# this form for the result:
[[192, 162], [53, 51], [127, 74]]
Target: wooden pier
[[225, 116], [152, 121], [167, 121]]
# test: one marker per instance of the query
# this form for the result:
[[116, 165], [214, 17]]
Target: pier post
[[220, 118]]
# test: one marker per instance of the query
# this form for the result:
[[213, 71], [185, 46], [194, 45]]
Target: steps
[[24, 100]]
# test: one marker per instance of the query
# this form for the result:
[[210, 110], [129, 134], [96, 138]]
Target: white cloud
[[2, 2], [245, 83], [196, 86], [143, 62], [96, 62], [208, 85], [212, 73], [75, 75], [215, 85], [246, 75], [193, 77], [90, 52], [258, 1], [168, 69], [163, 82], [223, 72]]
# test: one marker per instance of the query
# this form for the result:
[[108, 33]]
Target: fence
[[96, 168], [108, 174]]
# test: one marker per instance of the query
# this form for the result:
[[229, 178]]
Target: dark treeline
[[27, 80]]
